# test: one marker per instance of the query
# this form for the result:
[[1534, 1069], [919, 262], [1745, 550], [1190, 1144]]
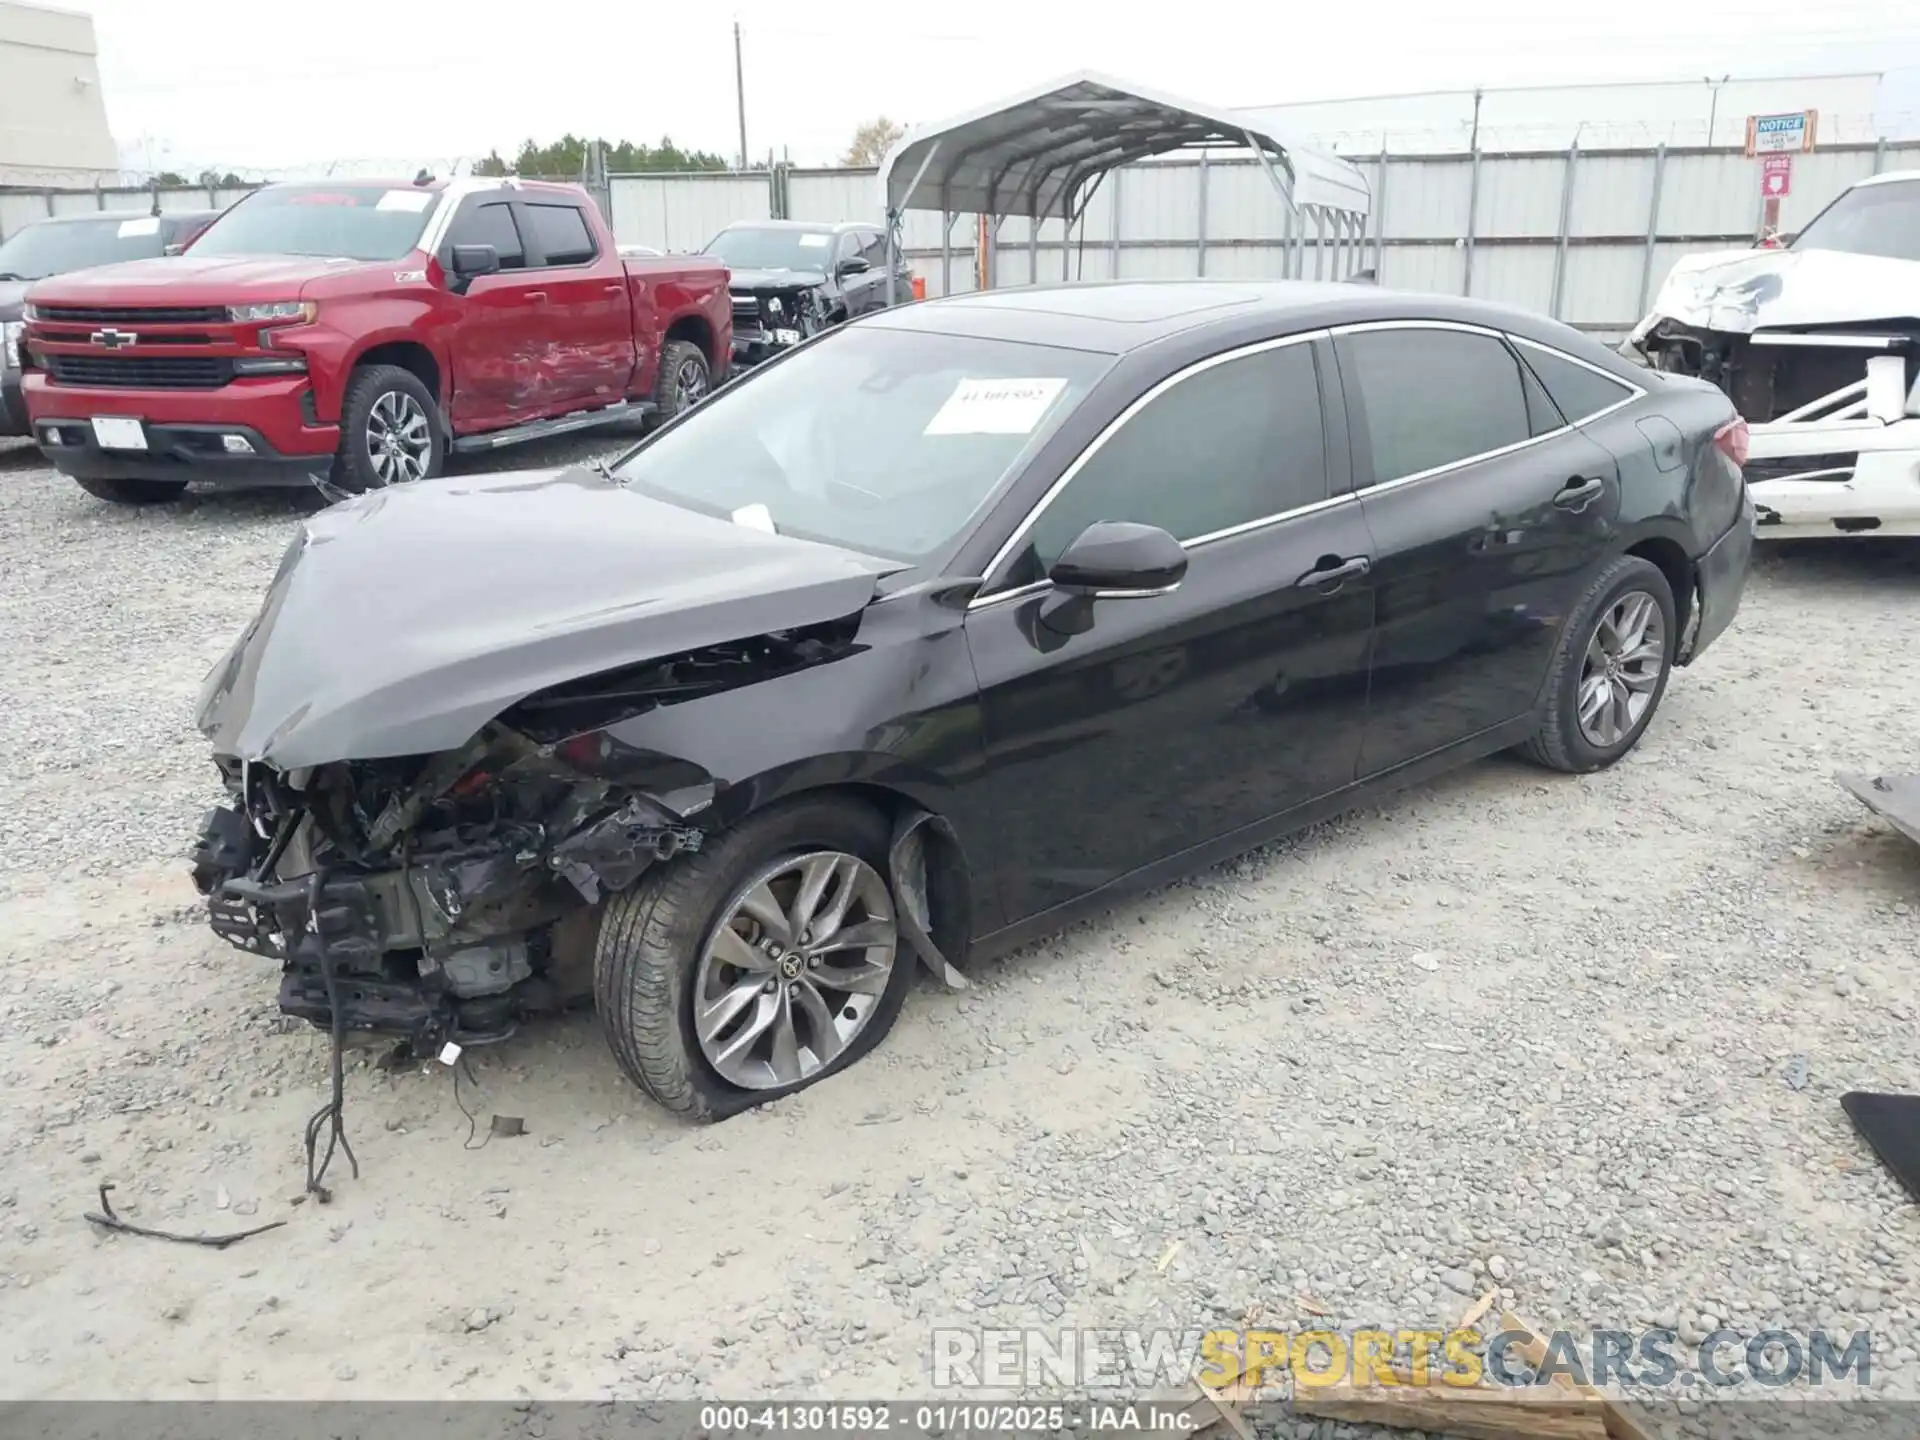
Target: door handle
[[1579, 491], [616, 289], [1332, 572], [537, 297]]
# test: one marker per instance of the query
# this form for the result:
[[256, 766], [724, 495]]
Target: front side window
[[563, 234], [491, 224], [1579, 392], [1228, 445], [349, 222], [873, 248], [885, 441], [1434, 397]]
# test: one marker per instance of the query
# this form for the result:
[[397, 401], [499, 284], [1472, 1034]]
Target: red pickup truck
[[358, 333]]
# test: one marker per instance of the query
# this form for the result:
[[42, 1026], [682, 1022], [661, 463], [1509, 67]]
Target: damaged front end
[[436, 899], [769, 319]]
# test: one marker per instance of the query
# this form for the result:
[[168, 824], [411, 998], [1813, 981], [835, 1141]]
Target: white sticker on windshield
[[146, 225], [413, 200], [755, 517], [995, 407], [815, 242]]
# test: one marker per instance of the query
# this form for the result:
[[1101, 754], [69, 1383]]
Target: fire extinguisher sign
[[1776, 176]]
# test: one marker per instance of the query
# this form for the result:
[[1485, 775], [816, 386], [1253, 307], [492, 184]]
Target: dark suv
[[73, 242], [793, 278]]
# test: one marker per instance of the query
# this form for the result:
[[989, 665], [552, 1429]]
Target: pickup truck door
[[499, 372], [585, 314]]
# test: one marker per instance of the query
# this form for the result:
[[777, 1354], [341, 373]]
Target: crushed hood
[[1740, 291], [402, 621], [749, 280]]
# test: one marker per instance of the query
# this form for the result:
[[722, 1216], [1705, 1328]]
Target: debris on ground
[[107, 1220]]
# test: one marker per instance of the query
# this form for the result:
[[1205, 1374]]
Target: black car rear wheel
[[757, 965], [1610, 670]]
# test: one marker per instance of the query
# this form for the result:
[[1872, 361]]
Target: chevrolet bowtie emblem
[[114, 339]]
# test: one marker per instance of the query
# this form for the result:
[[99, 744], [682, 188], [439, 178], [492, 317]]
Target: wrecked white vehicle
[[1818, 345]]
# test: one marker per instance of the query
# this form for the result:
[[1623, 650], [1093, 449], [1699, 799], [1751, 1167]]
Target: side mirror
[[1115, 560], [176, 248], [470, 262], [856, 265]]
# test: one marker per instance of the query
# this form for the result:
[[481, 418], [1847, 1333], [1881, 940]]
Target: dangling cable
[[330, 1114]]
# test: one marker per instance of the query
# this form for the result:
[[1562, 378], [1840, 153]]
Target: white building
[[1853, 108], [53, 118]]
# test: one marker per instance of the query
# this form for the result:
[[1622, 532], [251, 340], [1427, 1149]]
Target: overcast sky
[[243, 84]]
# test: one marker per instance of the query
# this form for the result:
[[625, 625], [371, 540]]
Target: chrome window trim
[[1634, 392], [1093, 447]]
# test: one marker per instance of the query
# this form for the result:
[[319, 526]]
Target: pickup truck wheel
[[123, 491], [390, 431], [758, 964], [685, 379]]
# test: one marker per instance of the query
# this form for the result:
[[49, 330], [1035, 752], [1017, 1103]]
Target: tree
[[168, 179], [872, 141], [566, 158]]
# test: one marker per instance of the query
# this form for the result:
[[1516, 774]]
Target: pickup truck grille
[[747, 308], [140, 315], [155, 372]]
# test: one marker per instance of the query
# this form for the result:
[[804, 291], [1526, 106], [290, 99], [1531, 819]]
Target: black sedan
[[931, 636]]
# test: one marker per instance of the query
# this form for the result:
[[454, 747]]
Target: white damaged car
[[1818, 345]]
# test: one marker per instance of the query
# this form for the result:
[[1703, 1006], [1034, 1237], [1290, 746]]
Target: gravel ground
[[1508, 1028]]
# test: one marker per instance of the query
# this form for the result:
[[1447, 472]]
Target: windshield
[[55, 247], [884, 441], [749, 248], [352, 222], [1882, 220]]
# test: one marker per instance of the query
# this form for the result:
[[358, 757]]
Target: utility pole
[[740, 93]]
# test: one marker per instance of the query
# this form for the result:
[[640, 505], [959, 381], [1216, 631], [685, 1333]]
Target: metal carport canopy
[[1041, 153]]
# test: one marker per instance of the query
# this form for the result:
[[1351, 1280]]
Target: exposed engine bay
[[446, 897]]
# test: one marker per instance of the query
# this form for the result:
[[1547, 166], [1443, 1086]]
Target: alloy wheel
[[1625, 658], [689, 383], [794, 970], [399, 438]]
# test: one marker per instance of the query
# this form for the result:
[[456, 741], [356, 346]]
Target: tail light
[[1731, 440]]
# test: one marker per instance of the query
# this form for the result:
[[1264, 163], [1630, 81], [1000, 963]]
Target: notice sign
[[1776, 176], [1790, 134]]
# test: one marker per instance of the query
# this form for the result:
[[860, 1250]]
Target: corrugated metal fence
[[1585, 236]]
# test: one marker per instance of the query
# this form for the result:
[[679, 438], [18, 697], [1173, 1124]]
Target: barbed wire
[[1358, 140]]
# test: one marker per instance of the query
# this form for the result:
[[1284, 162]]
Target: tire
[[680, 359], [356, 467], [652, 938], [1562, 742], [119, 490]]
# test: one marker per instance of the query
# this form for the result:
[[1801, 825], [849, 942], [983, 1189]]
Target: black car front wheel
[[758, 965], [1610, 669]]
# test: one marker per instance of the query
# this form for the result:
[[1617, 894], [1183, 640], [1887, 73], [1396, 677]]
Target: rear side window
[[491, 224], [1434, 397], [1232, 444], [562, 234], [1579, 392]]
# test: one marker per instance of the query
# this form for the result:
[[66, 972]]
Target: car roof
[[812, 225], [1118, 316]]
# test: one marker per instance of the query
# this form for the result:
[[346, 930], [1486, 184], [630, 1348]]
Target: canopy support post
[[894, 217]]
